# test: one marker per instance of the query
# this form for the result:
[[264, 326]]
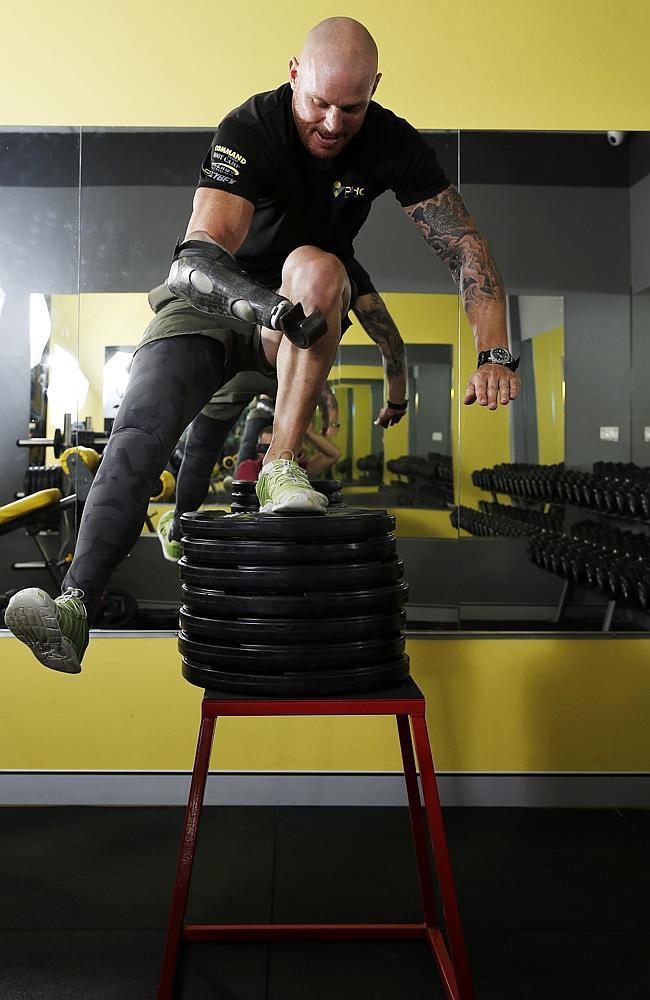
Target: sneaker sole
[[31, 617]]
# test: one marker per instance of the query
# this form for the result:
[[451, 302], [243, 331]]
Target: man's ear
[[374, 86], [293, 71]]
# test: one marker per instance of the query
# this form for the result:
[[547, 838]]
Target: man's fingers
[[492, 386], [504, 388], [470, 394], [492, 391]]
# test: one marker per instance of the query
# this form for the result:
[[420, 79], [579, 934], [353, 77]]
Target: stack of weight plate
[[290, 605], [244, 497]]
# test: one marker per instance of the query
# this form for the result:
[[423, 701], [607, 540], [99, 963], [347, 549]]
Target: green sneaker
[[283, 488], [172, 550], [56, 630]]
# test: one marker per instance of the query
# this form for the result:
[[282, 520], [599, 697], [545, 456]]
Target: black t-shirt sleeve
[[237, 161], [417, 172], [360, 276]]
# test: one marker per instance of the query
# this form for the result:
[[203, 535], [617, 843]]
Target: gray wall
[[640, 377], [597, 348], [544, 239], [433, 387], [640, 234]]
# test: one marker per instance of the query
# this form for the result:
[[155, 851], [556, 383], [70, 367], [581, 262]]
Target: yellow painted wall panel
[[493, 705], [548, 360], [464, 65]]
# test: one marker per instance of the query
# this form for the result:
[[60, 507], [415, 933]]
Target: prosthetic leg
[[209, 278]]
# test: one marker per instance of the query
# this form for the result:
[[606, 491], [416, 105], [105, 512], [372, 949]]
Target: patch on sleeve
[[225, 164]]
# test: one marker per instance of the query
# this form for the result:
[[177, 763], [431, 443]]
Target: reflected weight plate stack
[[244, 497], [290, 605]]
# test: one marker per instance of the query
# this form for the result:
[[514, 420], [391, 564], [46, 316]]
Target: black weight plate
[[276, 630], [217, 552], [314, 605], [268, 659], [331, 682], [246, 487], [349, 524], [323, 577], [245, 499], [243, 508]]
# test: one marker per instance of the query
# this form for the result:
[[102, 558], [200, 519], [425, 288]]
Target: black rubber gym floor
[[554, 902]]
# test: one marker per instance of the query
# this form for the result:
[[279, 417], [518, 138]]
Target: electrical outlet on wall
[[646, 435], [437, 435], [609, 433]]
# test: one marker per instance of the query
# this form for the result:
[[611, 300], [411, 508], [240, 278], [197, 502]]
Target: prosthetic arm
[[210, 279]]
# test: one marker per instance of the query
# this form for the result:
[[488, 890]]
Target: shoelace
[[288, 475]]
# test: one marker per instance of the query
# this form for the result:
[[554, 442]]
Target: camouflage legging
[[171, 380], [203, 443]]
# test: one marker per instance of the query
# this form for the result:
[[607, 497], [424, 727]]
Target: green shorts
[[242, 341], [247, 372]]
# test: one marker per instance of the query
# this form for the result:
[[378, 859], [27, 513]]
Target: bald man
[[283, 192]]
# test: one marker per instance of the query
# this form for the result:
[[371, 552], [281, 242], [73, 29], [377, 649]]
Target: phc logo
[[347, 190]]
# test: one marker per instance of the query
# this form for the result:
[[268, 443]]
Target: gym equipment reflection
[[564, 218]]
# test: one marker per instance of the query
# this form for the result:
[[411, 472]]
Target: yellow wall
[[497, 705], [548, 362], [458, 65]]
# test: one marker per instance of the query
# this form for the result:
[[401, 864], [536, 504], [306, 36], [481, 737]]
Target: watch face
[[500, 356]]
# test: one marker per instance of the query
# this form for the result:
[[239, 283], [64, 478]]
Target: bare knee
[[315, 278]]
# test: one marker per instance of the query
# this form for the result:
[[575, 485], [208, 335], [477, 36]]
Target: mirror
[[41, 379], [566, 218]]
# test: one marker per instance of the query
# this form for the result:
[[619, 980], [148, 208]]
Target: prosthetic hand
[[211, 280]]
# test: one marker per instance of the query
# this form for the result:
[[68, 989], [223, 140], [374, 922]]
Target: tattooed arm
[[371, 311], [451, 232]]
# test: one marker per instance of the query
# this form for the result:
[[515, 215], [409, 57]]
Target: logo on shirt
[[347, 190], [225, 164]]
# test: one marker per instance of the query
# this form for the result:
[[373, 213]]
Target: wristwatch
[[334, 423], [498, 356]]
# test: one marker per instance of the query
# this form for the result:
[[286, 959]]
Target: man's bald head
[[341, 40], [333, 82]]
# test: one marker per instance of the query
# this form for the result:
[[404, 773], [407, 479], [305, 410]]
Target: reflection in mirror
[[554, 505], [129, 226], [42, 387], [421, 476]]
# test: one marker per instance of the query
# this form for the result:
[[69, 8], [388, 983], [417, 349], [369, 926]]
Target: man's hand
[[491, 385], [387, 417]]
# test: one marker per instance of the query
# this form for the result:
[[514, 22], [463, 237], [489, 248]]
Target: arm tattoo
[[380, 327], [451, 233]]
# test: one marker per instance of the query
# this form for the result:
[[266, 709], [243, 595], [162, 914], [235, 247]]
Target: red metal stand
[[406, 703]]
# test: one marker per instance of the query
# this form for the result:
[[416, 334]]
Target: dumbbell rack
[[568, 492]]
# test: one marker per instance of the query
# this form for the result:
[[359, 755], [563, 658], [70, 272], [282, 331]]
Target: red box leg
[[186, 859], [417, 822], [441, 858]]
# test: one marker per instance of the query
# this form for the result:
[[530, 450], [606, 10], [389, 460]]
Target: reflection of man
[[284, 191]]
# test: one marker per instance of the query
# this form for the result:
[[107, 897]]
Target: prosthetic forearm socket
[[209, 278]]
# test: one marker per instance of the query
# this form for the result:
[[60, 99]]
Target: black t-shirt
[[304, 200]]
